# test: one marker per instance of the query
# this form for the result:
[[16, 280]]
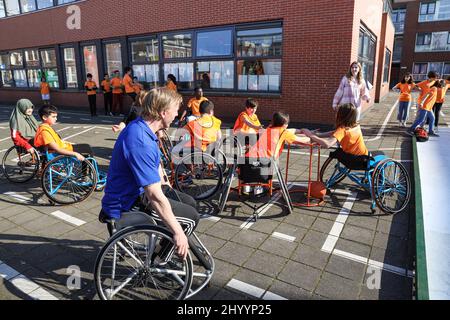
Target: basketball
[[317, 189]]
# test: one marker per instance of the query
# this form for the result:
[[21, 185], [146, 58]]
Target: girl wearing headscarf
[[23, 124]]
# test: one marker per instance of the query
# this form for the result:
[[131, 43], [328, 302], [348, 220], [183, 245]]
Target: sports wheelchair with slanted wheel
[[64, 179], [139, 262], [386, 179]]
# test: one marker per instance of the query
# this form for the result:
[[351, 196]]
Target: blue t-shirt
[[134, 165]]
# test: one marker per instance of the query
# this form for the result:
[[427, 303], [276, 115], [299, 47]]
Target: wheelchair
[[386, 179], [64, 179], [196, 172], [139, 262]]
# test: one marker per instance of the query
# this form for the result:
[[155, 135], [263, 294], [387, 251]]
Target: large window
[[144, 60], [215, 74], [177, 46], [398, 49], [183, 72], [50, 67], [420, 71], [113, 54], [28, 5], [436, 41], [434, 11], [387, 64], [259, 67], [70, 68], [398, 18], [18, 70], [214, 43], [33, 65], [12, 7], [90, 62], [2, 10], [5, 70], [42, 4], [366, 54]]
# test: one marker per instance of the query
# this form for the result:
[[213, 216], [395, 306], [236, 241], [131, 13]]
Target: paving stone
[[223, 231], [392, 287], [265, 226], [337, 288], [315, 239], [250, 238], [56, 230], [352, 247], [300, 275], [249, 276], [211, 243], [311, 256], [322, 225], [396, 229], [393, 258], [229, 295], [41, 223], [292, 230], [303, 221], [266, 263], [363, 222], [223, 272], [5, 225], [12, 210], [289, 291], [390, 242], [234, 253], [279, 247], [357, 234], [346, 268]]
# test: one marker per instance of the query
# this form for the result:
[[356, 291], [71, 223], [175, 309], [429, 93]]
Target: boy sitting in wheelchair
[[353, 152], [203, 132], [47, 138], [257, 162]]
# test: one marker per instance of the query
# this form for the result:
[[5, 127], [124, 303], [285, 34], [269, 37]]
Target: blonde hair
[[157, 101], [359, 76]]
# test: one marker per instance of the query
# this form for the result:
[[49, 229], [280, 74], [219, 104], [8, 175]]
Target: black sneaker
[[433, 134], [410, 133]]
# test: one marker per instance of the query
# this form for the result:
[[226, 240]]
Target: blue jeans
[[403, 110], [422, 115]]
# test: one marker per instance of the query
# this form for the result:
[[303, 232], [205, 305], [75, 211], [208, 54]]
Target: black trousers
[[437, 110], [107, 101], [93, 104], [84, 149]]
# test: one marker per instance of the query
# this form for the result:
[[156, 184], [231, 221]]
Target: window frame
[[387, 63], [146, 37], [215, 29], [82, 79], [75, 47], [105, 57], [366, 59]]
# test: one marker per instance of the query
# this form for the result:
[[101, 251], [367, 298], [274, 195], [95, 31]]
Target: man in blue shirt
[[134, 171]]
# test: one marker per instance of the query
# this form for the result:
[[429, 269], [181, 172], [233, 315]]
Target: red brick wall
[[386, 42], [320, 39]]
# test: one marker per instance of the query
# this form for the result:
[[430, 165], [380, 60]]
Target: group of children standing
[[429, 103]]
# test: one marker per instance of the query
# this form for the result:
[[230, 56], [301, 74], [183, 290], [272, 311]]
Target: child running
[[442, 87], [404, 87]]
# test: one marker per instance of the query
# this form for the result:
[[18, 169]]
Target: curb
[[422, 292]]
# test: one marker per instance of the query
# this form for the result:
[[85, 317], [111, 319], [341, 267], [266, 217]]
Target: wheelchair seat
[[353, 162], [128, 219], [255, 170]]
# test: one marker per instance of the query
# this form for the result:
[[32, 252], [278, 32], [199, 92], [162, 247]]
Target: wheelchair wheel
[[19, 166], [129, 267], [332, 172], [221, 160], [391, 186], [66, 180], [199, 175]]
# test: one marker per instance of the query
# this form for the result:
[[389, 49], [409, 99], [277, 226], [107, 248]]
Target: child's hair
[[410, 81], [126, 70], [280, 119], [105, 75], [47, 110], [359, 76], [250, 103], [172, 77], [206, 106], [89, 75], [43, 78], [197, 89], [439, 84], [448, 78], [134, 78], [346, 115], [432, 74]]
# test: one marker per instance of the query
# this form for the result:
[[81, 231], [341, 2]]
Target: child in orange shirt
[[47, 137], [45, 91], [247, 124], [116, 84], [442, 87], [137, 87], [128, 84], [193, 106], [171, 82], [348, 133], [107, 94], [91, 89], [404, 100]]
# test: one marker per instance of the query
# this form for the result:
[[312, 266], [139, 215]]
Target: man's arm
[[162, 207]]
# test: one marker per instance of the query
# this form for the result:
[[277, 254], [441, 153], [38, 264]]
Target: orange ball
[[317, 189]]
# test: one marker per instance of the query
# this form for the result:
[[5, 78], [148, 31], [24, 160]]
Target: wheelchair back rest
[[375, 159], [256, 170]]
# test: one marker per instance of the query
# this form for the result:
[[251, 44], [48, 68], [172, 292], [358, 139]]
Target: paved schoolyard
[[335, 251]]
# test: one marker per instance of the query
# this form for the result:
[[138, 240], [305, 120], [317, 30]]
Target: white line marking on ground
[[3, 150], [65, 117], [403, 160], [85, 119], [380, 132], [338, 225], [5, 139], [442, 114], [386, 149], [104, 128], [4, 127], [64, 216], [283, 236], [253, 291], [24, 284], [17, 196], [106, 121], [78, 133], [63, 129]]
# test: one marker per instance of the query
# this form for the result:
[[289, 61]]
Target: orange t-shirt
[[171, 86], [241, 126], [117, 83], [90, 85], [425, 87], [45, 135], [106, 84], [405, 91], [441, 94], [203, 131], [137, 88], [430, 100], [351, 140], [271, 142], [194, 105], [128, 83], [45, 88]]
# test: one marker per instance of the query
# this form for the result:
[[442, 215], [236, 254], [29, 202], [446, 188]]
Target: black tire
[[199, 175], [329, 169], [133, 251], [18, 165], [391, 186], [76, 180]]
